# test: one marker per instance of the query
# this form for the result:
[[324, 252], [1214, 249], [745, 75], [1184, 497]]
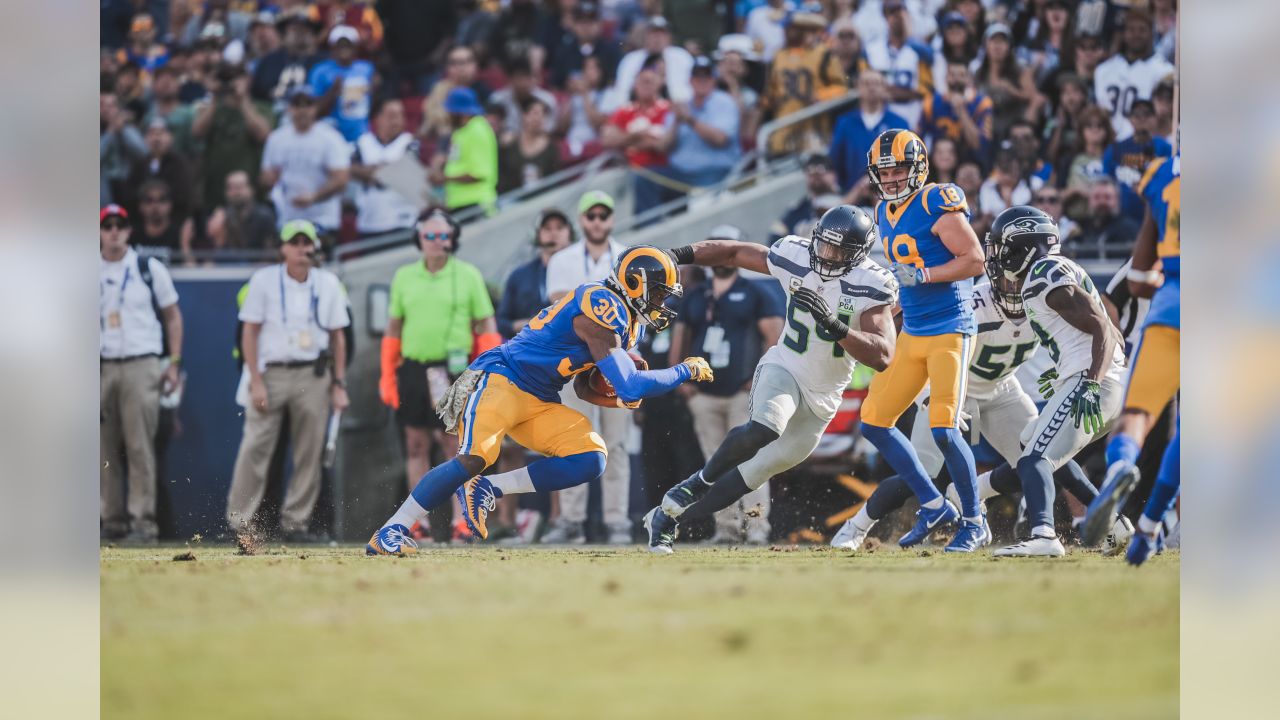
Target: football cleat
[[1118, 538], [478, 499], [849, 536], [680, 497], [1141, 547], [662, 531], [970, 537], [1034, 546], [1122, 478], [391, 540], [927, 521]]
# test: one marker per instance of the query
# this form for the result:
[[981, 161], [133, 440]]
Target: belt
[[292, 363], [129, 358]]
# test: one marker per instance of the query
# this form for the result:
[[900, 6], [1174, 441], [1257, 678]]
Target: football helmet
[[1019, 236], [898, 148], [644, 277], [841, 239]]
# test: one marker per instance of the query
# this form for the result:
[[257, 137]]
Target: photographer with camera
[[233, 128], [295, 360]]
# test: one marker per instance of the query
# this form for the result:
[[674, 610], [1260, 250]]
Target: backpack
[[144, 272]]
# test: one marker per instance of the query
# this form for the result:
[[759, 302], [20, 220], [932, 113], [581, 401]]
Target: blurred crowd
[[222, 120]]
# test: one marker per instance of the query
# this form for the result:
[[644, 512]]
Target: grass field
[[484, 632]]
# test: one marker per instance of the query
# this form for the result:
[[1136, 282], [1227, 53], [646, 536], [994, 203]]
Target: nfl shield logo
[[795, 283]]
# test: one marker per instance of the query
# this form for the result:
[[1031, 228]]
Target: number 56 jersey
[[819, 364]]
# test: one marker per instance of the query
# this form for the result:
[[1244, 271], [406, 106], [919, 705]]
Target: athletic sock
[[933, 504], [1044, 531], [960, 466], [512, 483], [435, 487], [1147, 525], [1072, 479], [1123, 448], [409, 513], [1037, 489], [985, 490], [863, 521], [897, 451]]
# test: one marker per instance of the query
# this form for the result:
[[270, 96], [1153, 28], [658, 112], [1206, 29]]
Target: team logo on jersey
[[1027, 225], [846, 302], [795, 283]]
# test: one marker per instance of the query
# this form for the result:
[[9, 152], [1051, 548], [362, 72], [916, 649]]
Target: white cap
[[739, 43], [343, 32]]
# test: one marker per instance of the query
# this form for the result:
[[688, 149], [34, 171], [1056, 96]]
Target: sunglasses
[[597, 216], [435, 237], [114, 225]]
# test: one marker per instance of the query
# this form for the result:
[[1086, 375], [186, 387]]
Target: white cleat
[[1118, 539], [849, 537], [1034, 546]]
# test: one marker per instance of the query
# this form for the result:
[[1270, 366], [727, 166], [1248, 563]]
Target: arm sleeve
[[632, 384]]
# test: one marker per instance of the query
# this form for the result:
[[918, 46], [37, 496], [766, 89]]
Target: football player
[[997, 408], [515, 389], [1085, 386], [1153, 380], [839, 312], [935, 255]]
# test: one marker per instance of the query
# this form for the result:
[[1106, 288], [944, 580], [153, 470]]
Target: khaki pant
[[129, 411], [713, 418], [612, 424], [306, 397]]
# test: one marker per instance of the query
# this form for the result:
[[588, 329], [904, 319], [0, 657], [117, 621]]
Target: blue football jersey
[[907, 231], [544, 355], [1161, 187]]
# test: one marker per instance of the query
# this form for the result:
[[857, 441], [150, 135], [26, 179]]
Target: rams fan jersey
[[548, 352], [819, 364], [1070, 348], [1161, 187], [907, 230]]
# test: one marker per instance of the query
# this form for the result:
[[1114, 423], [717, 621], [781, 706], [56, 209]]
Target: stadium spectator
[[802, 74], [163, 163], [733, 76], [639, 129], [495, 114], [1162, 102], [944, 160], [264, 39], [704, 137], [958, 110], [306, 165], [906, 63], [1165, 28], [232, 127], [166, 106], [380, 209], [416, 37], [969, 178], [356, 15], [515, 35], [120, 145], [581, 118], [295, 362], [592, 259], [1008, 185], [846, 47], [1009, 85], [765, 26], [234, 23], [344, 85], [278, 74], [461, 70], [201, 64], [475, 27], [160, 228], [1087, 51], [130, 92], [1063, 128], [1050, 199], [439, 315], [955, 43], [1027, 145], [242, 223], [140, 322], [819, 180], [525, 292], [1046, 35], [142, 49], [1096, 135], [873, 23], [730, 321], [676, 62], [857, 129], [1130, 74], [530, 154], [583, 41], [522, 87], [469, 175], [1105, 231], [1126, 160]]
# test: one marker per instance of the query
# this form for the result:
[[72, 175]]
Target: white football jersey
[[821, 366], [1117, 83], [1070, 348], [1003, 344]]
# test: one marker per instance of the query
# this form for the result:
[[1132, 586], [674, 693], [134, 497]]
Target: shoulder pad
[[944, 198], [603, 307]]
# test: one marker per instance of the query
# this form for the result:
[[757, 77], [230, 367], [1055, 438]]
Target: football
[[600, 386]]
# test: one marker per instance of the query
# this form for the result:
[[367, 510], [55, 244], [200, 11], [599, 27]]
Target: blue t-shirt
[[1126, 160], [691, 152], [351, 110], [851, 140], [724, 330]]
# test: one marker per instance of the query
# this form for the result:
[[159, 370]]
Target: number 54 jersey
[[819, 364]]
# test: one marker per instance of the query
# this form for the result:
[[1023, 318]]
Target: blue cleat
[[970, 536], [1122, 478], [927, 521], [478, 498], [1141, 547], [662, 531], [680, 497], [391, 540]]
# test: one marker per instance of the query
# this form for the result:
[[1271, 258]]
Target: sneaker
[[927, 521], [1034, 546], [478, 499], [680, 497], [1121, 479], [970, 536], [563, 532], [662, 531], [619, 533], [1141, 547], [1118, 538], [391, 540], [849, 537]]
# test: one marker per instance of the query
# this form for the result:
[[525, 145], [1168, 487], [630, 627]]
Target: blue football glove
[[1046, 382], [1086, 407], [909, 275]]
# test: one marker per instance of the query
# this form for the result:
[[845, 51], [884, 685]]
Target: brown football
[[599, 384]]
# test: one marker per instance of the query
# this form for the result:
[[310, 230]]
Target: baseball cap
[[294, 228], [702, 65], [725, 232], [300, 94], [657, 22], [592, 198], [112, 210], [214, 31], [462, 101], [587, 9], [817, 159], [952, 18], [997, 29], [343, 32], [553, 212], [1140, 103]]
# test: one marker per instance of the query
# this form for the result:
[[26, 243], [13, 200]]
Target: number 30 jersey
[[1002, 345], [819, 364], [907, 232], [1070, 349]]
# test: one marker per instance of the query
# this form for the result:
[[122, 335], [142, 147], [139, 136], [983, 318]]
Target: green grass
[[484, 632]]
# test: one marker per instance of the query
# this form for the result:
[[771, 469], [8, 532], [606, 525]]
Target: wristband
[[835, 326], [175, 359], [1150, 277], [683, 255], [923, 275]]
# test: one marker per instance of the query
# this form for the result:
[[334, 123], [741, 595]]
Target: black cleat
[[679, 498], [661, 528]]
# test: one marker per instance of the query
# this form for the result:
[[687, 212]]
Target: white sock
[[934, 504], [512, 483], [862, 520], [1044, 531], [985, 490], [409, 513], [1147, 525]]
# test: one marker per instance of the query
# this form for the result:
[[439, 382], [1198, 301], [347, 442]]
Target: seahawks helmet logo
[[1028, 225]]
